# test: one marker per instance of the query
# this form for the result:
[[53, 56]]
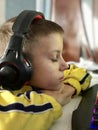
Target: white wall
[[90, 15], [11, 8], [2, 11]]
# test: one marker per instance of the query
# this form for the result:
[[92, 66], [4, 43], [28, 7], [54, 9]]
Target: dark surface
[[81, 117]]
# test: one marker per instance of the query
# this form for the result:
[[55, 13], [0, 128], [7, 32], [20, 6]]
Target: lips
[[62, 78]]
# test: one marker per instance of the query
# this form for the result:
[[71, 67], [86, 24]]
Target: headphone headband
[[24, 20]]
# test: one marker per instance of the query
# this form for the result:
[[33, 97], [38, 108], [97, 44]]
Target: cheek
[[45, 72], [45, 77], [46, 68]]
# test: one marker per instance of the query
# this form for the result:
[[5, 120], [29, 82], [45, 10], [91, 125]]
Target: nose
[[63, 65]]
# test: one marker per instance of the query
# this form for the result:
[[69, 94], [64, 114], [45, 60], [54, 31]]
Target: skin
[[49, 66]]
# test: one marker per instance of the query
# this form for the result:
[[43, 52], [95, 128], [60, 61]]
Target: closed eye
[[54, 60]]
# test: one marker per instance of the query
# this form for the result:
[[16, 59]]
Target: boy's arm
[[31, 107], [63, 95], [77, 77], [76, 80]]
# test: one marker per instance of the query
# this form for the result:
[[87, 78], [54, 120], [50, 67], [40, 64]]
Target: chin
[[57, 88]]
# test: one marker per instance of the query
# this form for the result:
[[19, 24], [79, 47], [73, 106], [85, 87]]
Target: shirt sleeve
[[79, 78], [33, 109]]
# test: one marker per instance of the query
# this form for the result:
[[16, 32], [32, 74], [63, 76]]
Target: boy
[[29, 108]]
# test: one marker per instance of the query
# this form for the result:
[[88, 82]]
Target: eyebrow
[[58, 51]]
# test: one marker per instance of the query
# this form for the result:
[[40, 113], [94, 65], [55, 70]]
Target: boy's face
[[48, 64]]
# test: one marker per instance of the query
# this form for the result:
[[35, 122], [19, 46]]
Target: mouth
[[62, 78]]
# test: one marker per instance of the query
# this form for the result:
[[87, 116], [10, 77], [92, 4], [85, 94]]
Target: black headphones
[[15, 69]]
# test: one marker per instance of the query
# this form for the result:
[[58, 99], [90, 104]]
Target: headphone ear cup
[[28, 69], [27, 64]]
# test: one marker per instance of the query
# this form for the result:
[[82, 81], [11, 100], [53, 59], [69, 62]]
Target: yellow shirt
[[28, 111], [77, 77]]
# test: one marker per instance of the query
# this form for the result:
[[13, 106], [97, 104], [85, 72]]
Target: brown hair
[[37, 29]]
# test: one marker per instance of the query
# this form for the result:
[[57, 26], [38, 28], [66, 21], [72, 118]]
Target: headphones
[[15, 68]]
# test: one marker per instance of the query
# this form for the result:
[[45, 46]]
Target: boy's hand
[[77, 77], [63, 95]]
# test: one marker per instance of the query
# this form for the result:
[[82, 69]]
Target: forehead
[[45, 45], [51, 41]]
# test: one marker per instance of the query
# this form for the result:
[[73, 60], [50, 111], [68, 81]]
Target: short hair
[[38, 28]]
